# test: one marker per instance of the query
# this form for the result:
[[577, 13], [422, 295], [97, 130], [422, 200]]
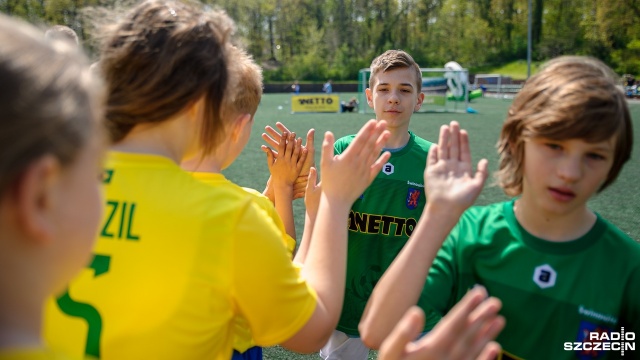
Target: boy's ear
[[239, 123], [34, 199], [420, 100], [369, 95]]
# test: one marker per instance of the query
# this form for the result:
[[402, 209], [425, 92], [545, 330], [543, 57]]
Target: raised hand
[[285, 168], [347, 175], [449, 176], [272, 136], [465, 333]]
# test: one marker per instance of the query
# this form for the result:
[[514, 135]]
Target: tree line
[[313, 40]]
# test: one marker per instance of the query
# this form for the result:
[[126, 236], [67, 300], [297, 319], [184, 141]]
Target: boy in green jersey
[[568, 279], [383, 218]]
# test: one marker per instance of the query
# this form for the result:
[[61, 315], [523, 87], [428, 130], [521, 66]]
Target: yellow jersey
[[32, 354], [243, 339], [176, 262], [260, 200]]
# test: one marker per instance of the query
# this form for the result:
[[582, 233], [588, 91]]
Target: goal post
[[444, 89], [498, 84]]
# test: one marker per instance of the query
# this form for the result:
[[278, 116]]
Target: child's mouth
[[562, 194]]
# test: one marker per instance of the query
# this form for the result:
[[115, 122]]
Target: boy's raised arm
[[451, 186], [344, 178], [311, 202], [284, 170]]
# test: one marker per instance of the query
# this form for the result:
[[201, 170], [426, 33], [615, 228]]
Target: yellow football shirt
[[262, 201], [32, 354], [243, 339], [176, 262]]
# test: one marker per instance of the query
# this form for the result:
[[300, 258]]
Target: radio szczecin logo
[[605, 341]]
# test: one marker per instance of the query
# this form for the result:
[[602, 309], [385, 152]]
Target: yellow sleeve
[[267, 288], [265, 204]]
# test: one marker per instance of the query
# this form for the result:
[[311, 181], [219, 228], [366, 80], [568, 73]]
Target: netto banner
[[315, 103]]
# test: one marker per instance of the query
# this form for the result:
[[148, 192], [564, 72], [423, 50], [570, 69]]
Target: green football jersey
[[380, 223], [553, 294]]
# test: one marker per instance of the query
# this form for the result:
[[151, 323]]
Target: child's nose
[[570, 169], [394, 98]]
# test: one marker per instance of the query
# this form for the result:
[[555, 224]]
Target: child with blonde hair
[[238, 110], [51, 145]]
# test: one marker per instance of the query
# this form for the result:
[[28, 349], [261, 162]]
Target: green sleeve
[[439, 290], [341, 144]]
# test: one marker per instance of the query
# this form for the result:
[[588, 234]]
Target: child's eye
[[406, 90], [553, 146], [595, 156]]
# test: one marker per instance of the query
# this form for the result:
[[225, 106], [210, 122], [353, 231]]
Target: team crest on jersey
[[388, 168], [544, 276], [412, 198], [584, 330]]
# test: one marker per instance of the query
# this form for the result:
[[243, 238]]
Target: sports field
[[620, 203]]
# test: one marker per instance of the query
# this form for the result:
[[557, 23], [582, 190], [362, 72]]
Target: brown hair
[[572, 97], [44, 109], [245, 96], [162, 57], [394, 59]]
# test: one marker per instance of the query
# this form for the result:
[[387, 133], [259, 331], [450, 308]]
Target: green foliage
[[628, 59], [517, 70], [315, 40]]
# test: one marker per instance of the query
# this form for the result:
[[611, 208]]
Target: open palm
[[449, 176]]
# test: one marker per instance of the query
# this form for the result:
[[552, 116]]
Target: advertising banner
[[315, 103]]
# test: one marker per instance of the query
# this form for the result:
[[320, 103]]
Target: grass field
[[517, 69], [620, 203]]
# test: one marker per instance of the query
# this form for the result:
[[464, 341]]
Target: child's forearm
[[401, 285], [268, 191], [325, 262], [284, 206], [303, 249]]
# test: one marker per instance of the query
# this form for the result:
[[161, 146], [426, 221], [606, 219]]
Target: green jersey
[[380, 223], [554, 295]]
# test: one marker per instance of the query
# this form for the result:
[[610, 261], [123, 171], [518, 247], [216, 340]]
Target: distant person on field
[[564, 274], [349, 106], [62, 32], [327, 88], [51, 146], [295, 88]]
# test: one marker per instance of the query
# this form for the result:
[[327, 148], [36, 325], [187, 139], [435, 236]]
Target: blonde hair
[[394, 59], [62, 32], [572, 97], [51, 108], [247, 75], [162, 57]]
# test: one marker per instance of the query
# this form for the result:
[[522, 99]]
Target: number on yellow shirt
[[100, 265]]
